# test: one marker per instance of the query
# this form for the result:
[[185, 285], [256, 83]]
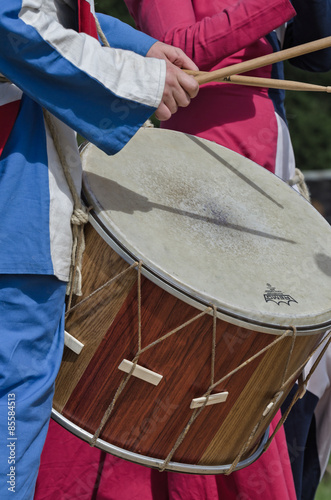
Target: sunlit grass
[[324, 489]]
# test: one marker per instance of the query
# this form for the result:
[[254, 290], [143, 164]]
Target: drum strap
[[79, 216]]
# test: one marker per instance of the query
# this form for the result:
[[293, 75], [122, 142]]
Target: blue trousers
[[31, 346]]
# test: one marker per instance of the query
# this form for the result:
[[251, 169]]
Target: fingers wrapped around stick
[[179, 89]]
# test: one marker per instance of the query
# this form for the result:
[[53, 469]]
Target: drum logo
[[273, 295]]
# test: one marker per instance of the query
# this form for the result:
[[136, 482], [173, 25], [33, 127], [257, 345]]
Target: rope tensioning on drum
[[70, 309], [252, 435], [213, 384], [139, 352], [207, 394], [299, 394], [302, 384]]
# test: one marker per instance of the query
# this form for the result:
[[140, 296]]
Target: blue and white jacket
[[103, 93]]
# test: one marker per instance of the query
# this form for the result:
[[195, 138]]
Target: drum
[[207, 287]]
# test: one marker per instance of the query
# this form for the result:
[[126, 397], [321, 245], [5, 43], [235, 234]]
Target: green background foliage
[[116, 8], [309, 119]]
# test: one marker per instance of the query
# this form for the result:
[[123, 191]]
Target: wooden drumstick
[[276, 84], [267, 83], [259, 62]]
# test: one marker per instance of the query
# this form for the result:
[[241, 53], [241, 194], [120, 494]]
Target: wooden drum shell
[[147, 420]]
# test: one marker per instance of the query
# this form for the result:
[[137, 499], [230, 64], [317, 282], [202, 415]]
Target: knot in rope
[[299, 180], [79, 216]]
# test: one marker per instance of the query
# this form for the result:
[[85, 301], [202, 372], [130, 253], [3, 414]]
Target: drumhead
[[216, 228]]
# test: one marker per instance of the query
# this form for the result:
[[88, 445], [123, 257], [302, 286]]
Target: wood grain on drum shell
[[148, 419]]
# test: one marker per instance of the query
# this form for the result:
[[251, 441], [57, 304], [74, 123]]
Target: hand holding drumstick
[[180, 87]]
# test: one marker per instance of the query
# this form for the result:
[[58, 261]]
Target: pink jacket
[[216, 34]]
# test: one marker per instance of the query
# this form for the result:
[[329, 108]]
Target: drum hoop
[[155, 463], [186, 296]]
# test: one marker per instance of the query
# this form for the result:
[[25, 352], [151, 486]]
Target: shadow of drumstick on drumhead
[[234, 170], [118, 198], [324, 263]]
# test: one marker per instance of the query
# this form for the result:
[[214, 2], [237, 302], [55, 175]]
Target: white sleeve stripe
[[126, 74]]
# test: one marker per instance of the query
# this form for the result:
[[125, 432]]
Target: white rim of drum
[[99, 222], [155, 463]]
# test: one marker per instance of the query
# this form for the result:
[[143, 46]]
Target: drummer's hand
[[179, 88]]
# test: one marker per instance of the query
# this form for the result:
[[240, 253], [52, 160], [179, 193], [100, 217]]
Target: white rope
[[79, 216], [299, 180]]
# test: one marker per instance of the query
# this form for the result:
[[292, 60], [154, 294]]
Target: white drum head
[[217, 227]]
